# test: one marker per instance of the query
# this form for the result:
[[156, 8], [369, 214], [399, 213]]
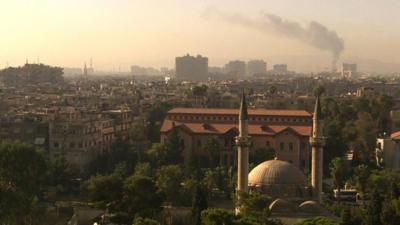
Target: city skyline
[[68, 33]]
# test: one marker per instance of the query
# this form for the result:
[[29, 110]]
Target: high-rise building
[[256, 67], [191, 68], [236, 68], [280, 68]]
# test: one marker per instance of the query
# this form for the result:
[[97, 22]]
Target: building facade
[[256, 67], [191, 68], [236, 68], [286, 131]]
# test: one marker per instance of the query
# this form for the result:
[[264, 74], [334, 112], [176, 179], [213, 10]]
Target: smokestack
[[313, 33]]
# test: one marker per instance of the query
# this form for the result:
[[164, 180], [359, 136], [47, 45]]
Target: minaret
[[85, 71], [317, 142], [242, 142]]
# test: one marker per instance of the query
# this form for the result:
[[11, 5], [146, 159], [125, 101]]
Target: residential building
[[256, 67], [191, 68]]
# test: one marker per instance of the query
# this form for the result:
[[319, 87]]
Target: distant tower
[[85, 71], [317, 142], [242, 142]]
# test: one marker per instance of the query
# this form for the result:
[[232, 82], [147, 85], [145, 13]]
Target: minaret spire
[[317, 142], [242, 142]]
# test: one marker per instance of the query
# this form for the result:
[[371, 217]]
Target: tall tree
[[169, 179], [362, 173], [374, 209], [22, 174], [199, 204], [174, 148], [338, 170]]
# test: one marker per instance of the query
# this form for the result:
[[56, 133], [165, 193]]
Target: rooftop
[[251, 112]]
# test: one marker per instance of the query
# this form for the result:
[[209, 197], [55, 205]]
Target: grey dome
[[276, 172]]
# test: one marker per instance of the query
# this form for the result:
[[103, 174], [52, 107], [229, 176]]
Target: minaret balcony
[[243, 141]]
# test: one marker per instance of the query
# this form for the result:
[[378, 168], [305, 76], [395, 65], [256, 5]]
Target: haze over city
[[117, 34], [199, 112]]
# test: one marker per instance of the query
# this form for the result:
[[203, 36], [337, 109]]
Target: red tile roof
[[254, 112], [395, 135], [222, 128]]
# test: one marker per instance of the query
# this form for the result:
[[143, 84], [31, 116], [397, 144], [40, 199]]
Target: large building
[[287, 131], [256, 67], [236, 68], [388, 151], [280, 69], [349, 69], [191, 68]]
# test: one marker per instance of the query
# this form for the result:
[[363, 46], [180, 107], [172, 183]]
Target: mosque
[[279, 179]]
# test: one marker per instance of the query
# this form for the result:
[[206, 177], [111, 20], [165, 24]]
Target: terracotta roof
[[222, 128], [395, 135], [258, 112]]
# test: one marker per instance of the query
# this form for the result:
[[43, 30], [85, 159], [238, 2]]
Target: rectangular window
[[268, 143], [199, 143], [281, 146], [56, 145], [303, 163], [290, 146], [302, 146]]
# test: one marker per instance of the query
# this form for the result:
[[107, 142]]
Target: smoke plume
[[313, 33]]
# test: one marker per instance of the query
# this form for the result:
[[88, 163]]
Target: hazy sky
[[152, 32]]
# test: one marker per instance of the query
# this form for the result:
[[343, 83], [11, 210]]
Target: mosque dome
[[310, 207], [278, 178]]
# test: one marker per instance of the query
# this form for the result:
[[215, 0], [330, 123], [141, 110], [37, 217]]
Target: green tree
[[373, 210], [262, 154], [140, 197], [106, 189], [157, 154], [272, 90], [217, 179], [390, 213], [174, 148], [169, 180], [144, 221], [199, 204], [320, 220], [256, 205], [213, 148], [338, 170], [22, 174], [143, 169], [362, 173], [199, 90], [394, 190], [364, 145], [346, 217], [155, 116], [319, 90]]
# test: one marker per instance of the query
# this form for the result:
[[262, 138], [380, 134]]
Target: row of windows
[[282, 146], [290, 146], [230, 118], [78, 144]]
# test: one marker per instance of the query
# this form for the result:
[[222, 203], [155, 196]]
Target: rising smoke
[[314, 33]]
